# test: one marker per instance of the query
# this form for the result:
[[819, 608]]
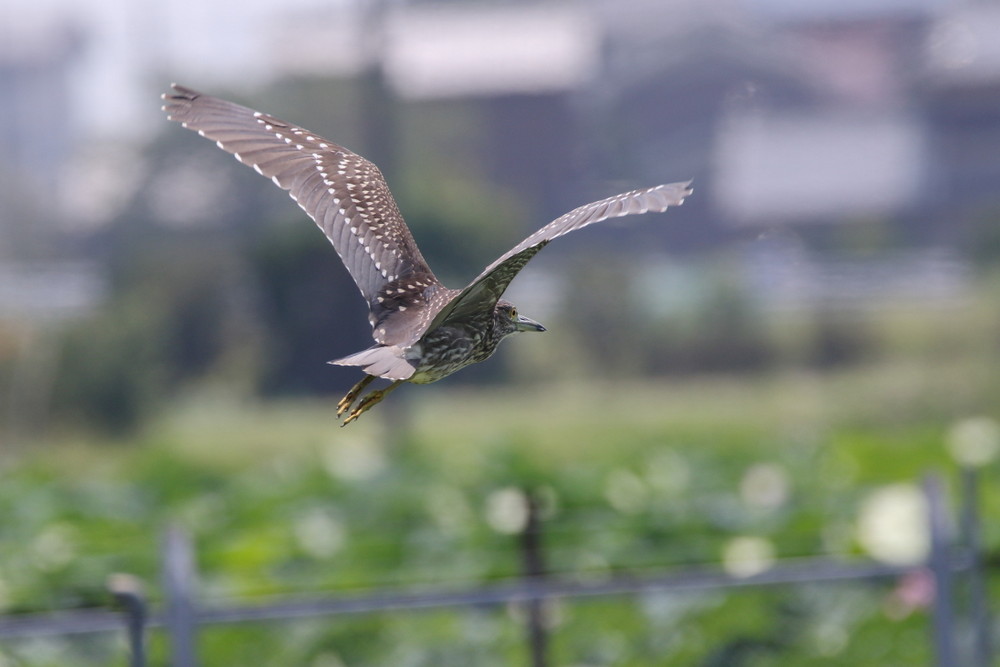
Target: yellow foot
[[349, 398], [368, 401]]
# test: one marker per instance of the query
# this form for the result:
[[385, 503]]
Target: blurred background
[[761, 374]]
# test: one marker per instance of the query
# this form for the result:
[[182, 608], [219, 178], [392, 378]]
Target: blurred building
[[38, 136], [788, 115], [797, 112]]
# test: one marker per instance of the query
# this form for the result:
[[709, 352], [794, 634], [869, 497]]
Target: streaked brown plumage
[[423, 330]]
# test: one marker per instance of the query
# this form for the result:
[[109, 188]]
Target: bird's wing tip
[[179, 92], [688, 189], [678, 191]]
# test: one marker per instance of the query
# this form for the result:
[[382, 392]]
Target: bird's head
[[508, 321]]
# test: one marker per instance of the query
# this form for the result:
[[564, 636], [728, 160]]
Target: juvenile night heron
[[423, 330]]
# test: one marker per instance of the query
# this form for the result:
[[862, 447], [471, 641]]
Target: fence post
[[127, 592], [533, 568], [179, 617], [940, 564], [971, 531]]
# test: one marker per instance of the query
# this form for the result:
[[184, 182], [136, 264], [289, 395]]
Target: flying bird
[[423, 331]]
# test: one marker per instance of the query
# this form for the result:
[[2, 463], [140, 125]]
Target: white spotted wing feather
[[343, 192], [486, 289]]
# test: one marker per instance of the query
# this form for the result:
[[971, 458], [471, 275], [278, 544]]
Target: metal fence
[[956, 563]]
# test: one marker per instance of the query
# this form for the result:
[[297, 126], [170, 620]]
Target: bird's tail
[[384, 361]]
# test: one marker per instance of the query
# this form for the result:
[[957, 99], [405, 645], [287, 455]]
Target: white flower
[[626, 492], [764, 485], [319, 533], [54, 547], [507, 510], [892, 525], [747, 555], [974, 441]]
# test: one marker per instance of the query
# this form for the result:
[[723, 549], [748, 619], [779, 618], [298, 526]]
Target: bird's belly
[[442, 352], [433, 374]]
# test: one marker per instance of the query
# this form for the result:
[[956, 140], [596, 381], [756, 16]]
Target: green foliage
[[442, 208], [983, 242], [281, 502], [162, 330], [308, 308]]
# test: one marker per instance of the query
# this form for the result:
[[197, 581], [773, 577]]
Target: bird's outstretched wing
[[343, 192], [483, 292]]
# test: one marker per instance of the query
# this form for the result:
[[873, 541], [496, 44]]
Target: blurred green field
[[633, 476]]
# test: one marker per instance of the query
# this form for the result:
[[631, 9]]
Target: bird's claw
[[365, 403], [345, 403], [362, 407]]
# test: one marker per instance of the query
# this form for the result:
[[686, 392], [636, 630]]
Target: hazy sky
[[134, 48]]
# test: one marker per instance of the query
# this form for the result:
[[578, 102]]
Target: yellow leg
[[370, 400], [349, 397]]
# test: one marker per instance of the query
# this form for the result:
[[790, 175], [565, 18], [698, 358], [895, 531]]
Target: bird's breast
[[445, 350]]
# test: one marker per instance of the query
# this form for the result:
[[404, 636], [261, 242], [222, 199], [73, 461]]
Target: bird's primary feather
[[487, 288], [343, 192]]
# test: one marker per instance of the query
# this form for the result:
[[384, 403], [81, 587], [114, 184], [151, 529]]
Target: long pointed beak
[[528, 324]]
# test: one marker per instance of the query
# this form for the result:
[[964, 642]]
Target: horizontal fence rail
[[952, 553], [682, 580]]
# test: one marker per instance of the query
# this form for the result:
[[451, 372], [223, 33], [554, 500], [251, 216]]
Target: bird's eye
[[513, 313]]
